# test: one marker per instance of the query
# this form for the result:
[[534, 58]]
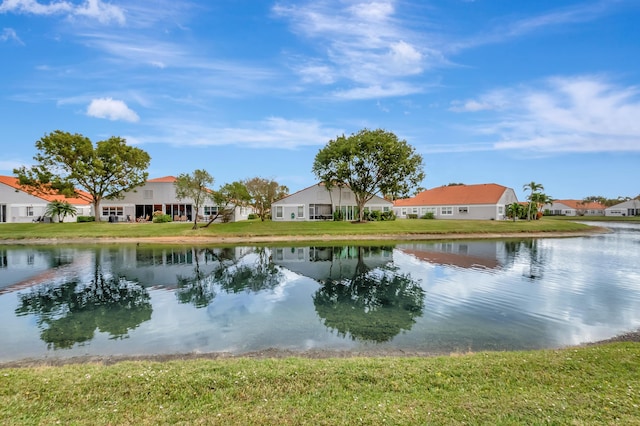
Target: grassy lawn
[[587, 385], [268, 228]]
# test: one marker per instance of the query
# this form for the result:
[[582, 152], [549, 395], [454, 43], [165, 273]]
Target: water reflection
[[70, 312], [431, 296]]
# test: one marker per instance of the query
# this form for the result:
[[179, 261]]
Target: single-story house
[[19, 204], [318, 203], [160, 195], [574, 208], [626, 208], [481, 201]]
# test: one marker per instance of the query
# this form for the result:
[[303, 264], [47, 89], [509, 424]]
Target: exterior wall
[[18, 206], [296, 207], [561, 209], [161, 196], [463, 211], [626, 208]]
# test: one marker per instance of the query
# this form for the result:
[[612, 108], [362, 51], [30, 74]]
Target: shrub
[[86, 219], [412, 216], [390, 215], [161, 218], [252, 216], [429, 215]]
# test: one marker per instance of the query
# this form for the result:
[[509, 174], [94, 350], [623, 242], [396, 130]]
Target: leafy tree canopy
[[194, 186], [262, 193], [228, 196], [370, 162], [68, 161]]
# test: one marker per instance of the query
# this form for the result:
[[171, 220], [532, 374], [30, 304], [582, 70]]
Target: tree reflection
[[253, 271], [372, 305], [70, 313]]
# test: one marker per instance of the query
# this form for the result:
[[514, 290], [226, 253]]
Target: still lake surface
[[436, 297]]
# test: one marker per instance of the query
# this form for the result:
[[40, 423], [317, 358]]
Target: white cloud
[[96, 9], [365, 44], [111, 109], [565, 114], [272, 132], [9, 34]]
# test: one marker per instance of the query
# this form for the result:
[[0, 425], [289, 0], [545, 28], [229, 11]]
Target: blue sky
[[497, 91]]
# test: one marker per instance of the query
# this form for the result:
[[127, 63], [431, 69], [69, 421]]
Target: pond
[[417, 297]]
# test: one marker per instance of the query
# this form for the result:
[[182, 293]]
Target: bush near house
[[429, 215], [86, 219], [161, 218]]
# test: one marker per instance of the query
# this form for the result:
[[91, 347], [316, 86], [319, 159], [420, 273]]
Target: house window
[[30, 211], [210, 210], [279, 212], [414, 210], [463, 210], [446, 211], [300, 211], [500, 209], [113, 210], [385, 209], [404, 211], [147, 194]]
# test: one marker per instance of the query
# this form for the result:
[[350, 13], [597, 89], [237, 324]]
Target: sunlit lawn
[[581, 386], [269, 228]]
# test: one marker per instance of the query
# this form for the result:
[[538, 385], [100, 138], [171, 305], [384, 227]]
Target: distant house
[[626, 208], [573, 208], [18, 204], [318, 203], [159, 195], [482, 201]]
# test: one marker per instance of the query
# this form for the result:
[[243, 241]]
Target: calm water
[[66, 301]]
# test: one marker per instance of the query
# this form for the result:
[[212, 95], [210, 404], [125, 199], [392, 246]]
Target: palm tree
[[534, 188], [61, 209], [514, 210]]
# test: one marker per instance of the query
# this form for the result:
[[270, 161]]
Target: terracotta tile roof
[[579, 205], [83, 197], [166, 179], [487, 193]]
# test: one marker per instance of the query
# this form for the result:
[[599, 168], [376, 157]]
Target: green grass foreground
[[412, 227], [585, 385]]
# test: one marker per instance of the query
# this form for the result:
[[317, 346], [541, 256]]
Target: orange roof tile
[[49, 196], [487, 193], [166, 179], [579, 205]]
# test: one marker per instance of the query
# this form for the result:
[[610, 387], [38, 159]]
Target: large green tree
[[262, 193], [68, 161], [370, 162], [194, 186]]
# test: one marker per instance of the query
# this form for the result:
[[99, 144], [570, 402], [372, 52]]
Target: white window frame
[[29, 211], [446, 211], [115, 210], [300, 214], [463, 210], [279, 212]]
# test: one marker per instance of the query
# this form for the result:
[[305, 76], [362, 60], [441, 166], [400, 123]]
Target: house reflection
[[465, 254]]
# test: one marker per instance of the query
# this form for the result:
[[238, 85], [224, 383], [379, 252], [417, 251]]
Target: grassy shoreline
[[585, 385], [302, 231]]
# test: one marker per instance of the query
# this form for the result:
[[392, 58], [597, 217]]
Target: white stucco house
[[20, 205], [574, 208], [318, 203], [626, 208], [482, 201], [160, 195]]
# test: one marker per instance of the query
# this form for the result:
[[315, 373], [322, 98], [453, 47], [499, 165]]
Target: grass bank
[[414, 228], [585, 385]]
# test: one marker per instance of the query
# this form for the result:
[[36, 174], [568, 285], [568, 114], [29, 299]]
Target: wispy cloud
[[563, 114], [364, 44], [272, 132], [94, 9], [111, 109], [10, 34], [517, 27]]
